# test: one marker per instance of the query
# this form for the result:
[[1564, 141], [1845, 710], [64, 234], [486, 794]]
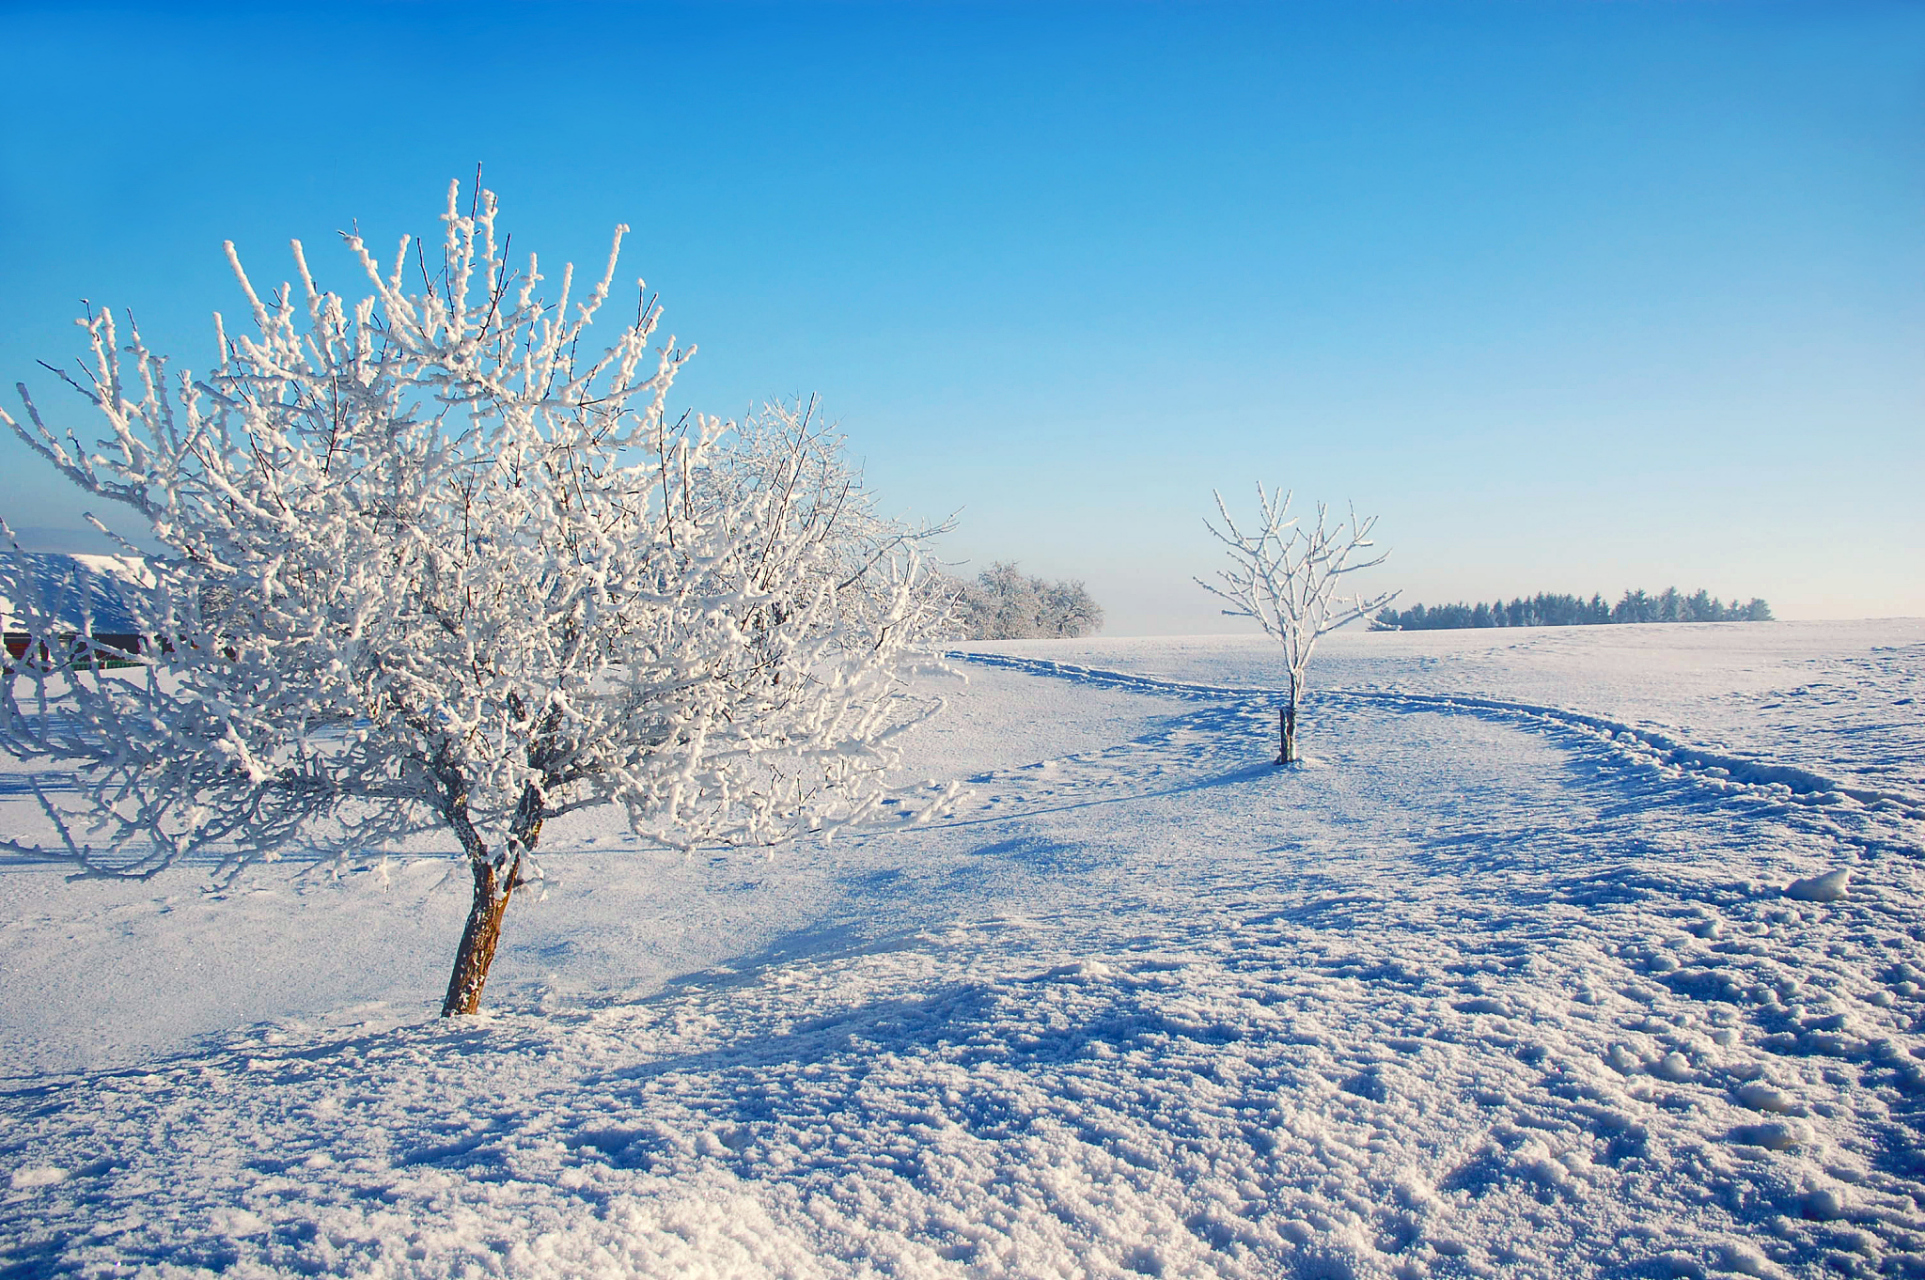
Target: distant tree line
[[1003, 603], [1547, 609]]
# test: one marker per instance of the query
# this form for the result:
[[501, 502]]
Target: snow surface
[[1506, 979]]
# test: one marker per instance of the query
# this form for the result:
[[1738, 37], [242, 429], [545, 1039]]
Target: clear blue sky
[[1575, 296]]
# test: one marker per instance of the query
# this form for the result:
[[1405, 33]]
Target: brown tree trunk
[[494, 885], [478, 940]]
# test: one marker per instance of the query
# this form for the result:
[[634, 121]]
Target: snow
[[1829, 887], [76, 586], [1514, 976]]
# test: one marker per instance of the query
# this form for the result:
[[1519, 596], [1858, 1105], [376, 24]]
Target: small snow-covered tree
[[431, 560], [1286, 576]]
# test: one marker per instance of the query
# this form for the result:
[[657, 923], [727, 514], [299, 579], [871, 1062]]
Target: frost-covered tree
[[1004, 603], [433, 559], [1286, 576], [1069, 610]]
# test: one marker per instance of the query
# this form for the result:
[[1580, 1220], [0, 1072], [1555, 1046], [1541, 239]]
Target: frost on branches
[[1286, 577], [433, 559], [1004, 603]]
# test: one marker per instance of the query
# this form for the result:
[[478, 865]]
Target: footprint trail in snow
[[1490, 987]]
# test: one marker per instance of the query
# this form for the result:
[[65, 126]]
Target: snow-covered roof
[[77, 585]]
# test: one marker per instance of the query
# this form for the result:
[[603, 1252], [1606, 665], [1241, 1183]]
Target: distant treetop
[[1003, 603], [1550, 610]]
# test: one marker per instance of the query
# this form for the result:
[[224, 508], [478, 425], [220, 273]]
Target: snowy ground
[[1505, 981]]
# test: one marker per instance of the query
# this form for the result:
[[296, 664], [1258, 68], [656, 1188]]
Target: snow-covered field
[[1506, 980]]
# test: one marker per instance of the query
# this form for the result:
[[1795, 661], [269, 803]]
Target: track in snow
[[1461, 1000], [1636, 745]]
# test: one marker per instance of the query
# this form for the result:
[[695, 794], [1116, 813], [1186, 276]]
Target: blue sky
[[1577, 296]]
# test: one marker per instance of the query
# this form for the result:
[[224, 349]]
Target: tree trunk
[[493, 888], [478, 940], [1287, 724]]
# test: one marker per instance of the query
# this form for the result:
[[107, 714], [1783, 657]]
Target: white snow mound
[[1830, 887]]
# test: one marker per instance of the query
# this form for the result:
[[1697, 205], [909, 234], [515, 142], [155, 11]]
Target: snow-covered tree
[[1286, 576], [433, 559], [1004, 603], [1069, 610]]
